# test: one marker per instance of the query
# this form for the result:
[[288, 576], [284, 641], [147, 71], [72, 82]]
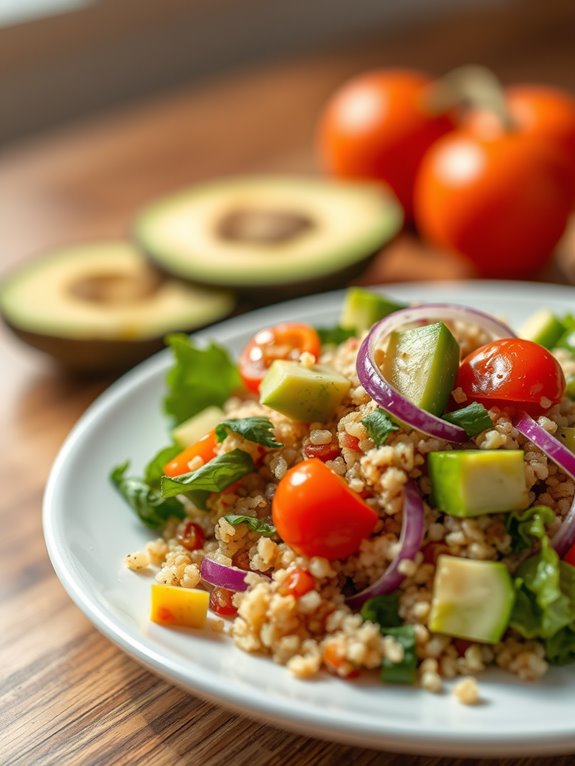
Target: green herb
[[403, 672], [570, 386], [215, 476], [261, 527], [383, 610], [152, 509], [256, 429], [379, 425], [334, 335], [155, 468], [199, 378], [473, 419]]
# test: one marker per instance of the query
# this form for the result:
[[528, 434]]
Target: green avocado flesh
[[192, 429], [476, 482], [252, 232], [422, 365], [101, 305], [471, 599], [311, 394], [363, 308], [543, 327]]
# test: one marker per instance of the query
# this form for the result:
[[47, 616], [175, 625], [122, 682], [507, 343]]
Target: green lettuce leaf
[[199, 378], [261, 527], [149, 505], [221, 472], [154, 471], [379, 425], [257, 429], [526, 526], [383, 610]]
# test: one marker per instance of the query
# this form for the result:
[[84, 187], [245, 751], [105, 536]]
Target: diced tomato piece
[[350, 442], [297, 583], [191, 536], [569, 557], [221, 602], [337, 664], [322, 451]]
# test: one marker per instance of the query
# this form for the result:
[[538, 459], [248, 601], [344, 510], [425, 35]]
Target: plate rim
[[278, 712]]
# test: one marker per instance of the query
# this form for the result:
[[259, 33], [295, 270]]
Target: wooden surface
[[67, 695]]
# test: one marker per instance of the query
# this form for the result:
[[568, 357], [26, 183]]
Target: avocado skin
[[90, 357], [469, 483]]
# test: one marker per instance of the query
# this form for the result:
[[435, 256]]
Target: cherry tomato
[[297, 583], [569, 557], [512, 372], [322, 451], [204, 448], [546, 113], [221, 602], [377, 126], [283, 341], [317, 514], [191, 536], [501, 201]]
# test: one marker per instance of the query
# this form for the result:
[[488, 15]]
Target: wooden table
[[68, 696]]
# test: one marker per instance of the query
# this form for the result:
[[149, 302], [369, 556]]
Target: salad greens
[[255, 429], [151, 507], [215, 476], [473, 419], [261, 527], [199, 377], [379, 425], [384, 611], [334, 335]]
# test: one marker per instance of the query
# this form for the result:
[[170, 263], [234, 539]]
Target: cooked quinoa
[[318, 631]]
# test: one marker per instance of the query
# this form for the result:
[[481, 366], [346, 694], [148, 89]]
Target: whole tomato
[[512, 372], [378, 126], [500, 199], [545, 113]]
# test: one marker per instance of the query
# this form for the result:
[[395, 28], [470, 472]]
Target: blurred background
[[108, 104]]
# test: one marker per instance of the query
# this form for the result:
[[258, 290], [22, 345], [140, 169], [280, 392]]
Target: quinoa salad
[[391, 496]]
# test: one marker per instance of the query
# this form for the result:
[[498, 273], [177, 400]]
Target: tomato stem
[[470, 86]]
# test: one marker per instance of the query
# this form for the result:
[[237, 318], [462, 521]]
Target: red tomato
[[502, 201], [221, 602], [191, 536], [377, 126], [512, 372], [317, 514], [204, 448], [546, 113], [569, 557], [322, 451], [297, 583], [284, 341]]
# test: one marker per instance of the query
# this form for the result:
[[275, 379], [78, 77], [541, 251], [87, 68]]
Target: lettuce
[[152, 509], [545, 589], [199, 378]]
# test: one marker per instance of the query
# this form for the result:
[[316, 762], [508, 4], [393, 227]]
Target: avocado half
[[102, 306], [267, 235]]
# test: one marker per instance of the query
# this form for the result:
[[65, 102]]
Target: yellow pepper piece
[[179, 607]]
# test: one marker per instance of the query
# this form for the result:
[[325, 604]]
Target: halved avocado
[[101, 305], [288, 235]]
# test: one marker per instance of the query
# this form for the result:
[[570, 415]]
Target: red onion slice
[[409, 544], [382, 392], [223, 576], [550, 445], [565, 459]]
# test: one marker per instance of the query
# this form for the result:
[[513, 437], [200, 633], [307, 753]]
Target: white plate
[[88, 529]]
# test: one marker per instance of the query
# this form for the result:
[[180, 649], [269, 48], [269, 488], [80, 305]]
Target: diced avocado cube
[[543, 327], [303, 393], [363, 308], [476, 482], [422, 364], [567, 436], [192, 429], [471, 599]]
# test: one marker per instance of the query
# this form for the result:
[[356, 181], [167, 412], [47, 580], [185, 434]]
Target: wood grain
[[67, 695]]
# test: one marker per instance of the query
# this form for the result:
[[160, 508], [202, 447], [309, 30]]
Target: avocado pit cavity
[[116, 288], [262, 226]]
